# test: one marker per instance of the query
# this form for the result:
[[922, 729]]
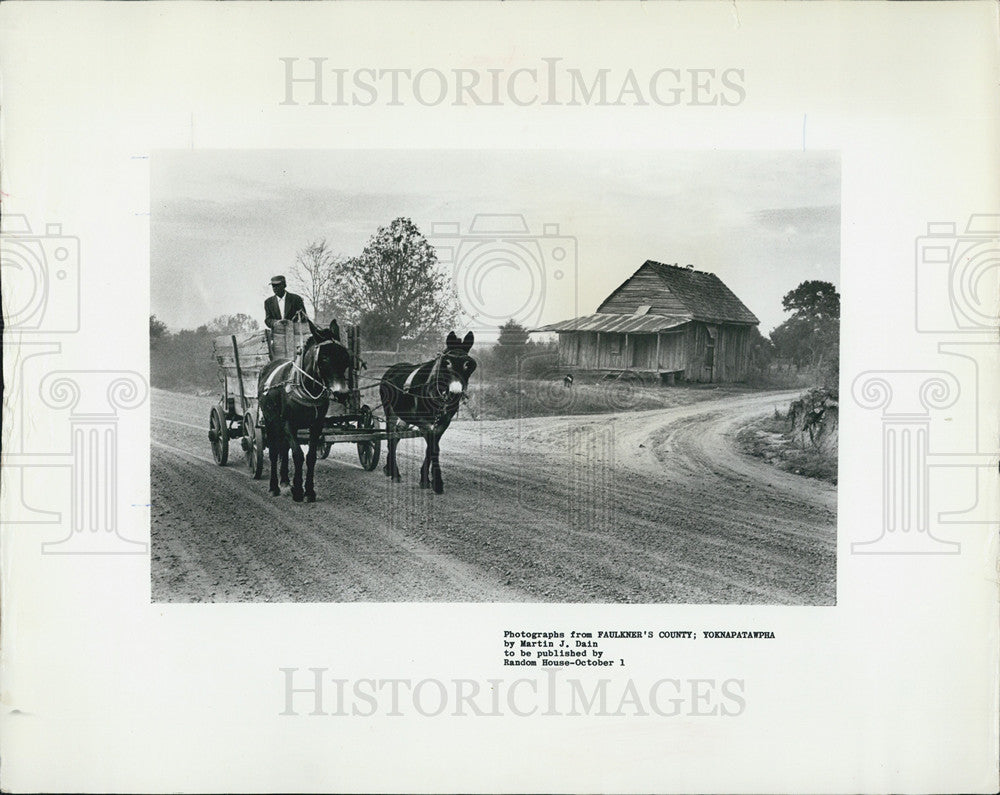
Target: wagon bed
[[240, 359]]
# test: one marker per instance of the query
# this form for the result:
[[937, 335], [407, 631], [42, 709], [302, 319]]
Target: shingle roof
[[700, 293], [620, 324]]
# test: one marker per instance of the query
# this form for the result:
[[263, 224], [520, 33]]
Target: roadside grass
[[773, 440], [183, 362], [185, 365], [550, 397]]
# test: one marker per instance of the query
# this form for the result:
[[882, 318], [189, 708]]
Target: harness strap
[[298, 382], [435, 369], [299, 372], [408, 384], [270, 379]]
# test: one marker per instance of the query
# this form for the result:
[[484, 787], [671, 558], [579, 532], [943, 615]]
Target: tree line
[[395, 289], [810, 338]]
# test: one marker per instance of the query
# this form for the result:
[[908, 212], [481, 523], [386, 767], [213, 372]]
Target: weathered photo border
[[102, 683]]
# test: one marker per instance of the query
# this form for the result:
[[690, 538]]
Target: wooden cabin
[[673, 321]]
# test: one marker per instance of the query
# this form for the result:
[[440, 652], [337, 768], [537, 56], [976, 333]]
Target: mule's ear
[[312, 328], [467, 342], [452, 341]]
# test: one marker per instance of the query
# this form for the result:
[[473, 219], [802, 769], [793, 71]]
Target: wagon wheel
[[324, 450], [368, 452], [218, 435], [253, 445]]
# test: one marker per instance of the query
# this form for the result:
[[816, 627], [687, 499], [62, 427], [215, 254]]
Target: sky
[[536, 235]]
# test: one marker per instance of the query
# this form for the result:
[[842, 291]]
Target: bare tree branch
[[314, 273]]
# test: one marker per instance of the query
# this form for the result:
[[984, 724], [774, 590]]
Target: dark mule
[[294, 395], [426, 396]]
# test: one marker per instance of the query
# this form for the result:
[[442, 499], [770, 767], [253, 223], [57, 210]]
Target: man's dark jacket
[[293, 304]]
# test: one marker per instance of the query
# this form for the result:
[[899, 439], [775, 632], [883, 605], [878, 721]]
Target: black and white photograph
[[495, 376], [500, 397]]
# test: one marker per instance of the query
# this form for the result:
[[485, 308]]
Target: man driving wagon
[[284, 305]]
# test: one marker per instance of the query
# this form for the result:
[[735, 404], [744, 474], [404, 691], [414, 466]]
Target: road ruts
[[648, 507]]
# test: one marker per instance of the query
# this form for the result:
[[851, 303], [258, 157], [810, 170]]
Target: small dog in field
[[568, 381]]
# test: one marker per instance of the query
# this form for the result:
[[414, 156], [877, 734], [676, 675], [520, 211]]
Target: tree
[[395, 289], [316, 274], [792, 341], [157, 328], [811, 336], [233, 324], [511, 345], [813, 299], [513, 335], [183, 361], [761, 350]]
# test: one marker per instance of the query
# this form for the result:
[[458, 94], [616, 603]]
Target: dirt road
[[645, 507]]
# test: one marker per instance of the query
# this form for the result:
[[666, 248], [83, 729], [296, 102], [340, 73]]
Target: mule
[[426, 396], [296, 394]]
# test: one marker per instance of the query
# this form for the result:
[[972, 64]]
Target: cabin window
[[618, 345]]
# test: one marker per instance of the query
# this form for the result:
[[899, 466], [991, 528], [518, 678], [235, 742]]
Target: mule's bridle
[[323, 388], [438, 397]]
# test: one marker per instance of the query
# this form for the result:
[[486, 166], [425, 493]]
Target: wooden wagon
[[241, 357]]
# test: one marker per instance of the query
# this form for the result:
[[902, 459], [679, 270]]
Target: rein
[[324, 390]]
